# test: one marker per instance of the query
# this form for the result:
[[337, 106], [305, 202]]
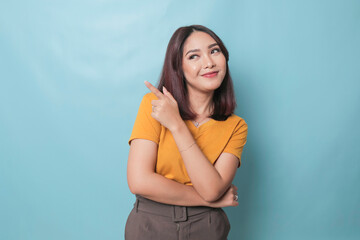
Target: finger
[[156, 103], [153, 109], [168, 94], [154, 90], [154, 115]]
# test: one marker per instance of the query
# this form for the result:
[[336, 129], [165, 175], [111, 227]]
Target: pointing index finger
[[154, 90]]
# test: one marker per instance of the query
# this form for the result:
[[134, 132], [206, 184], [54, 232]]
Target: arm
[[213, 180], [143, 180]]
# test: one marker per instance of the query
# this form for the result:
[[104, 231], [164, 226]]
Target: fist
[[165, 109]]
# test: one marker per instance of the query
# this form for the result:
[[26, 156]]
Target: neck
[[201, 103]]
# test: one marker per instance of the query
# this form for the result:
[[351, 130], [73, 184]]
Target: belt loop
[[136, 205], [179, 213], [210, 217], [185, 213]]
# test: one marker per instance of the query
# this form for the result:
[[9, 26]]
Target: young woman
[[186, 144]]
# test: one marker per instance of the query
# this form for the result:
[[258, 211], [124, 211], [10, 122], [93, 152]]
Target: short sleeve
[[237, 140], [145, 126]]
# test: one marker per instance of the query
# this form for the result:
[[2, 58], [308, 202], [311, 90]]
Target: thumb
[[168, 94]]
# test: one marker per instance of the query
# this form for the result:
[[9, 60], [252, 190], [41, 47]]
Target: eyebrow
[[196, 50]]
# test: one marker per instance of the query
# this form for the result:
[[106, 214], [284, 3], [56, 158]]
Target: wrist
[[178, 126]]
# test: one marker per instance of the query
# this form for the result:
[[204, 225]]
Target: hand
[[165, 110], [229, 199]]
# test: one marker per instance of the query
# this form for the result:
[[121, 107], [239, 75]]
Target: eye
[[193, 56], [215, 50]]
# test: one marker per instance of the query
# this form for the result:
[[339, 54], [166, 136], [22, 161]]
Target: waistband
[[176, 213]]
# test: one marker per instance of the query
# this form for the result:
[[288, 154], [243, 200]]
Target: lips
[[210, 74]]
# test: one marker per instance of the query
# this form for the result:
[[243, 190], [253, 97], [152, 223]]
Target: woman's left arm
[[210, 181]]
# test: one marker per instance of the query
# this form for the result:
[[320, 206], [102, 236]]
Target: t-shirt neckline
[[201, 126]]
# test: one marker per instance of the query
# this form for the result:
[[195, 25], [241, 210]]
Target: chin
[[215, 84], [212, 87]]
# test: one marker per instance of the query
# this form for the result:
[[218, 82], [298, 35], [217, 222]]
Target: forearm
[[143, 179], [207, 182], [158, 188]]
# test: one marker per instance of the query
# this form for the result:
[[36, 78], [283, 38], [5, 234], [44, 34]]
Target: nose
[[208, 62]]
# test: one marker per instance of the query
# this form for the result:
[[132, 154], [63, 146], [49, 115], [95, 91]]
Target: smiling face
[[203, 63]]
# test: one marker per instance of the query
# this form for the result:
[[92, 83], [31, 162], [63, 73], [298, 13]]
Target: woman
[[186, 144]]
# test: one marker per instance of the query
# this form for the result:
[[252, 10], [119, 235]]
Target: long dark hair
[[172, 76]]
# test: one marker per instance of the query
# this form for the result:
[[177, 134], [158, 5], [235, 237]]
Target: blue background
[[72, 79]]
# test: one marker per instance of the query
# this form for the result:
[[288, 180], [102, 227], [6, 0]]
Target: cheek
[[224, 70], [185, 69], [222, 62], [189, 69], [194, 69], [223, 76]]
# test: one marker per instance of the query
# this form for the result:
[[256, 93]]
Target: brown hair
[[172, 76]]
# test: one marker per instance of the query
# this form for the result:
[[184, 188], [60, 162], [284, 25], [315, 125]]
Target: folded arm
[[210, 181], [143, 180]]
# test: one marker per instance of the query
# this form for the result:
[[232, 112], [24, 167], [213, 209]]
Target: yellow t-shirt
[[213, 138]]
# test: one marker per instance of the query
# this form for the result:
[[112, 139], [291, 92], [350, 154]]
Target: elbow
[[212, 195], [135, 186], [140, 184], [133, 189], [209, 199]]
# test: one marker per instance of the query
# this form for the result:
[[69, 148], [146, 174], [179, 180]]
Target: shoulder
[[235, 119], [239, 124], [146, 100], [145, 126], [238, 135], [149, 97]]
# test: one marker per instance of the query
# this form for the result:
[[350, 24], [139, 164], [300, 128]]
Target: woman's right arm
[[144, 181]]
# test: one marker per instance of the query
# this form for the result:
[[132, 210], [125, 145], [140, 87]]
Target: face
[[203, 64]]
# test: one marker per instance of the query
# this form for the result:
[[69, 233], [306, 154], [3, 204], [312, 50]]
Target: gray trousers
[[150, 220]]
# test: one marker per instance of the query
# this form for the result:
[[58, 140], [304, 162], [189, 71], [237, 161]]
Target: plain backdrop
[[71, 80]]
